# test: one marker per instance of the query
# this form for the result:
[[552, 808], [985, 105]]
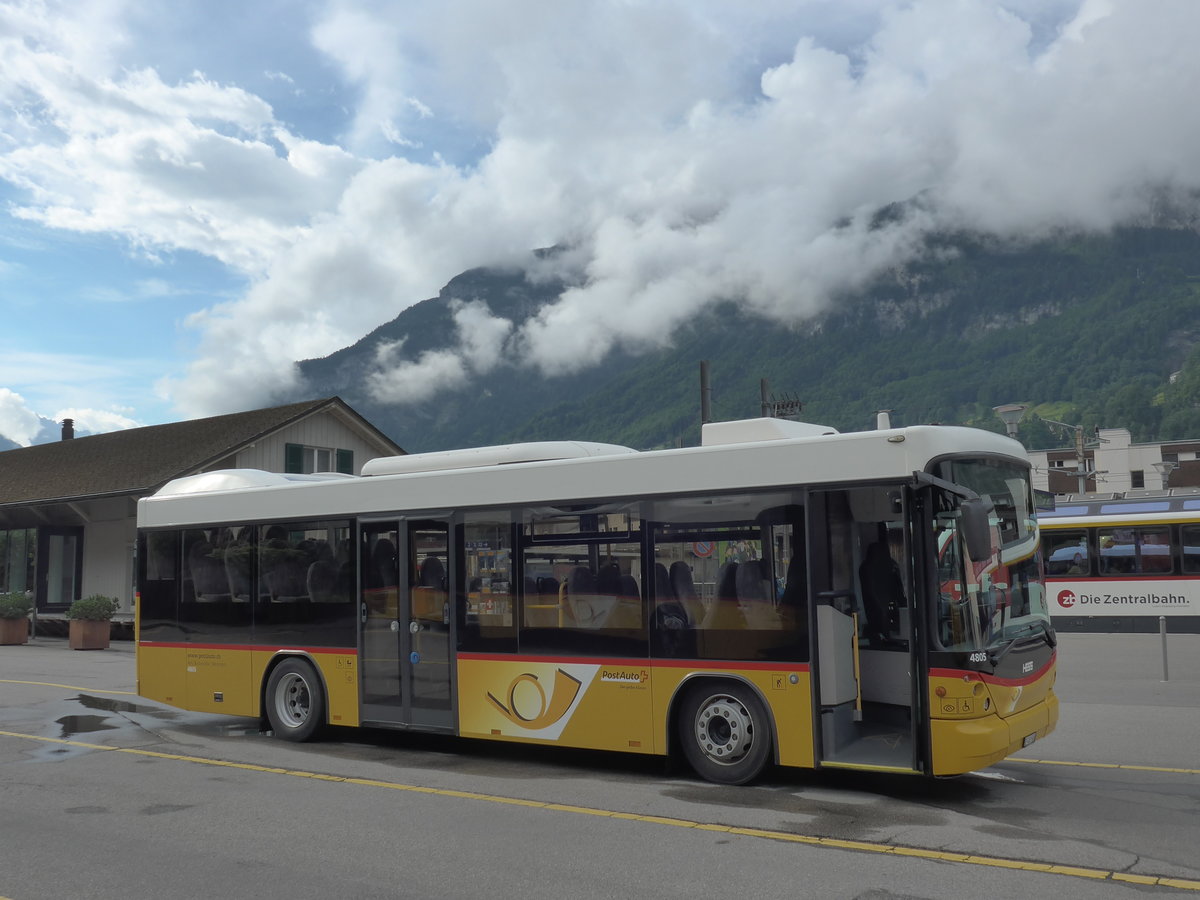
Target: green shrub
[[14, 606], [96, 608]]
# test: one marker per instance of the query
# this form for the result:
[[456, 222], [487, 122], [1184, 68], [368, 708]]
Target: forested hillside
[[1095, 330]]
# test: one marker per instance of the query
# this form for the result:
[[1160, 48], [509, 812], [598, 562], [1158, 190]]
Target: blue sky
[[193, 196]]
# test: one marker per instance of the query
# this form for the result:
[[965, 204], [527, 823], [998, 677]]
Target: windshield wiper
[[1047, 632], [994, 656]]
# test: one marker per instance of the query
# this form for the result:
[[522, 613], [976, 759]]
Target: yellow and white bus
[[782, 594]]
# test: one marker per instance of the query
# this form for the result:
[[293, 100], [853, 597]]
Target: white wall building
[[1113, 463]]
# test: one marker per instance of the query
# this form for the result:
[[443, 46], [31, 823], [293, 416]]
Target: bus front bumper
[[967, 745]]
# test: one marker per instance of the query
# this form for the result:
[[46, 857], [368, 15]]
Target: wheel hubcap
[[292, 700], [724, 729]]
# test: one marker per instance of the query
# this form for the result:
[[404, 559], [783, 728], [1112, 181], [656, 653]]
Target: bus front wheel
[[295, 701], [724, 731]]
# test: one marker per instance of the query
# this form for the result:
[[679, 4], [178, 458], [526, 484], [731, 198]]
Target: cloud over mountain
[[682, 153]]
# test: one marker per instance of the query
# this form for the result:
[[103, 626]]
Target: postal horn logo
[[527, 704]]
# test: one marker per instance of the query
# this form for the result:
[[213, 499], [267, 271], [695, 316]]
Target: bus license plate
[[1029, 739]]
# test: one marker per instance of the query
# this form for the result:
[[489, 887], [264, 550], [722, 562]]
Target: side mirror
[[973, 522]]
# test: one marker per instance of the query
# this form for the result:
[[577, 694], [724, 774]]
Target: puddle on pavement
[[126, 719], [73, 725], [87, 701]]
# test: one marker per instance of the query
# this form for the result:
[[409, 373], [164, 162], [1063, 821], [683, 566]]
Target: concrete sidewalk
[[1128, 669], [50, 660]]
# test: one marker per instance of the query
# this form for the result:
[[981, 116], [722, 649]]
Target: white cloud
[[415, 382], [18, 422], [480, 348], [139, 291], [687, 152], [21, 424], [192, 165], [97, 421], [682, 193], [101, 390], [69, 31], [369, 49], [482, 335]]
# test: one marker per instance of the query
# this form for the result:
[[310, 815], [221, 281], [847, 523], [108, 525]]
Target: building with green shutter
[[68, 509]]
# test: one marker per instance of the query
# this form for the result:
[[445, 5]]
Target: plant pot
[[14, 631], [89, 634]]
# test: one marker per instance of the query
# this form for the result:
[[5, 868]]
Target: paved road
[[197, 805], [1117, 706]]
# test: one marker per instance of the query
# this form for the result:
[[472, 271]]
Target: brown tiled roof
[[140, 460]]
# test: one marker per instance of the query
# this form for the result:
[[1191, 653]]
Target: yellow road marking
[[769, 834], [69, 687], [1086, 765]]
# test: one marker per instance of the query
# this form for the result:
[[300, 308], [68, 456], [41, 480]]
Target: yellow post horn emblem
[[566, 688]]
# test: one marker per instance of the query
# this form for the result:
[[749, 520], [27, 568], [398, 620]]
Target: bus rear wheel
[[724, 731], [295, 701]]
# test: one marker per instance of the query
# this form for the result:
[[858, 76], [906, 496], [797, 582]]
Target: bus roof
[[1144, 506], [473, 457], [598, 471]]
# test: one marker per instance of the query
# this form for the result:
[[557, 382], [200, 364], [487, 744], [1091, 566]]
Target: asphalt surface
[[193, 801]]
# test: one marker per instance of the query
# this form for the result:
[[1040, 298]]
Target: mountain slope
[[1089, 330]]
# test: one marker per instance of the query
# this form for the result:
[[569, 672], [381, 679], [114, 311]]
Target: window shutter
[[293, 458], [345, 461]]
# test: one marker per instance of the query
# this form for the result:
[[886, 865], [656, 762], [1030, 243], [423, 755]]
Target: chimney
[[68, 431]]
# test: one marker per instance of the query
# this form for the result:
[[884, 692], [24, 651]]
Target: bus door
[[865, 687], [404, 616]]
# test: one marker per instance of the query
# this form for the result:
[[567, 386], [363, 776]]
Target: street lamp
[[1011, 415], [1165, 468]]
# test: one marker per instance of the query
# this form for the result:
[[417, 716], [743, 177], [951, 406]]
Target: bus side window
[[1190, 543], [1129, 551], [1116, 551], [158, 605], [1155, 550], [732, 589], [582, 597], [1065, 552]]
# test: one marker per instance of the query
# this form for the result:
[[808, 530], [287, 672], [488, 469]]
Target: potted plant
[[91, 622], [14, 618]]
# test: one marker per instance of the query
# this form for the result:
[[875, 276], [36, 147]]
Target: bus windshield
[[988, 604]]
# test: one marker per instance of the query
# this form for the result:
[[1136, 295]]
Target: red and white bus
[[1118, 562]]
